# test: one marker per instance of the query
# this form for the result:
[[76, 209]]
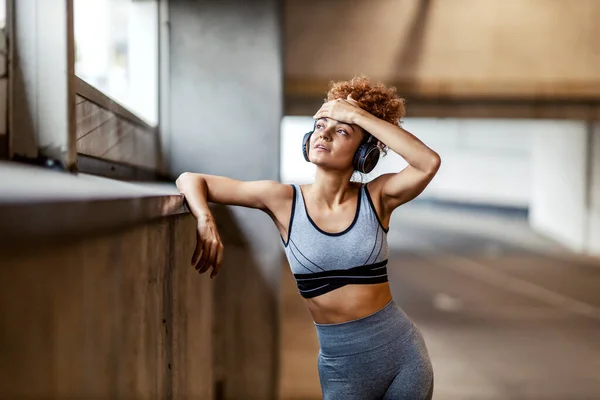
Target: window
[[116, 51], [3, 83], [2, 14]]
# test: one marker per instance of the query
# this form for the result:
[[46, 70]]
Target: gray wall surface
[[121, 315], [565, 204], [225, 114]]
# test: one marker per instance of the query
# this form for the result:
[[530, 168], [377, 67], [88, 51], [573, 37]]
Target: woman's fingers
[[322, 111], [212, 255], [211, 250], [350, 100], [337, 109], [212, 258], [218, 261], [197, 251], [203, 265]]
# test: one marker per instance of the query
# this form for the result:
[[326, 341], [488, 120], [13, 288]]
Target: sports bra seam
[[300, 262], [373, 249], [380, 248], [308, 259]]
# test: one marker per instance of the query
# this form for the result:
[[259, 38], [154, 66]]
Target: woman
[[334, 233]]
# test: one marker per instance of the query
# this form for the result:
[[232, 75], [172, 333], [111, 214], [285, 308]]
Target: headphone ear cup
[[371, 159], [366, 158], [358, 156], [306, 145]]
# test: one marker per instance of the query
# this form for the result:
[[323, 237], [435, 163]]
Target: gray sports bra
[[323, 261]]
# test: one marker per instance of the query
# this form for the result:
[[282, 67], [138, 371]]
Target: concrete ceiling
[[460, 53]]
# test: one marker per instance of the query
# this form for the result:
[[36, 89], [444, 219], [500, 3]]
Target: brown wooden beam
[[468, 99], [463, 90]]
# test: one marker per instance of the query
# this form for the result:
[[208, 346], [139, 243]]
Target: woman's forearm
[[195, 190], [409, 147]]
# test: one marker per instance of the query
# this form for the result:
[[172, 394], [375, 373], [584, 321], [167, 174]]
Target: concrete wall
[[560, 183], [225, 113], [456, 48], [593, 220], [116, 316], [483, 161], [566, 185], [3, 90]]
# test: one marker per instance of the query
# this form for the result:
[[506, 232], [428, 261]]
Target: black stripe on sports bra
[[315, 284]]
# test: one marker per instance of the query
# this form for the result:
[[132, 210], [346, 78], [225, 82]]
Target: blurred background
[[103, 103]]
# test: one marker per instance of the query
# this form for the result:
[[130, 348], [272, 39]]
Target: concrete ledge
[[39, 203]]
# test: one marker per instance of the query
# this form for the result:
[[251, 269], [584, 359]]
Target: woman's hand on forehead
[[350, 100], [342, 110]]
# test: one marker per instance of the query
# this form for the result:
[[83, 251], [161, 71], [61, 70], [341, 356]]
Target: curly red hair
[[375, 98]]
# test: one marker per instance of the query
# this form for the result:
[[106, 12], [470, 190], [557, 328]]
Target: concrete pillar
[[565, 202], [3, 86], [593, 220], [225, 114]]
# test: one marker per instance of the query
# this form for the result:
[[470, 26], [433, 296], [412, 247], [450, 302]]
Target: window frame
[[41, 126]]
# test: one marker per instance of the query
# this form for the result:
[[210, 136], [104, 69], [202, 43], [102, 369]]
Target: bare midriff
[[349, 302]]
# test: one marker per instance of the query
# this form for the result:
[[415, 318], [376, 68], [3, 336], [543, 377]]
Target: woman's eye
[[319, 126], [342, 132]]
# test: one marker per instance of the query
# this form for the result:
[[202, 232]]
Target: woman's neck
[[331, 188]]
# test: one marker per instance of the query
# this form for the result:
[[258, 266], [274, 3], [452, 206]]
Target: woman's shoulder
[[373, 186], [284, 189], [278, 197], [273, 192]]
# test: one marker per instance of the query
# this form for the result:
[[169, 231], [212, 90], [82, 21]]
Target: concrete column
[[565, 202], [3, 85], [225, 114], [593, 220]]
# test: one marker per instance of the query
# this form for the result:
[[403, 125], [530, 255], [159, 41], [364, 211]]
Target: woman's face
[[333, 144]]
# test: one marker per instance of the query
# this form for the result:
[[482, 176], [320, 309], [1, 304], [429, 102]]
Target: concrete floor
[[506, 314]]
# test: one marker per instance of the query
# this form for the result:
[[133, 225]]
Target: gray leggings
[[381, 356]]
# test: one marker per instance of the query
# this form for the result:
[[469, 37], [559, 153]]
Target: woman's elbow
[[435, 161], [179, 182], [186, 180]]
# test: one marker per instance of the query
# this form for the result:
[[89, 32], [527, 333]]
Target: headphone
[[365, 158]]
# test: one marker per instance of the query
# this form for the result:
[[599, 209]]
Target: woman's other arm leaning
[[201, 189]]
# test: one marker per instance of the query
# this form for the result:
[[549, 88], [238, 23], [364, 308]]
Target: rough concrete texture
[[120, 316], [225, 113]]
